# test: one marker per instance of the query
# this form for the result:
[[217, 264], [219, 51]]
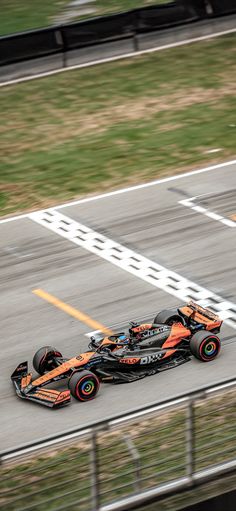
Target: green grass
[[21, 15], [90, 130], [110, 6], [63, 475]]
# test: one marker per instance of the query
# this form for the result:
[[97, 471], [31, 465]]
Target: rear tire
[[84, 385], [43, 359], [205, 346], [168, 317]]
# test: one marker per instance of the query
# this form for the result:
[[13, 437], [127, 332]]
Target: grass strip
[[18, 16], [117, 124]]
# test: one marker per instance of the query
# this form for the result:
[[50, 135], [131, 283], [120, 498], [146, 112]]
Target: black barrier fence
[[209, 8], [126, 25], [202, 7], [29, 45], [61, 39], [220, 7], [99, 30], [163, 16], [43, 43]]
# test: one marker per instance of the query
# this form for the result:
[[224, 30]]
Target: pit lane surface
[[150, 221]]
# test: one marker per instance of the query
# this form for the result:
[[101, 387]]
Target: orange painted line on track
[[75, 313]]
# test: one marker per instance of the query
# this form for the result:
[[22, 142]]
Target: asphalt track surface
[[149, 220]]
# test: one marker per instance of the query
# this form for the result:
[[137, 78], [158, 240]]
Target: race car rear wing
[[203, 311]]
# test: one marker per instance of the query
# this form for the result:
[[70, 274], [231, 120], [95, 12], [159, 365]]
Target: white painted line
[[134, 263], [214, 216], [117, 57], [156, 182], [146, 185], [13, 218], [197, 208], [189, 203], [230, 223]]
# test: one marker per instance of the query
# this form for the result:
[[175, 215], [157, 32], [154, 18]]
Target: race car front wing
[[22, 379]]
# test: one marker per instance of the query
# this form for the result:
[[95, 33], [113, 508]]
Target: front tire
[[43, 360], [205, 346], [168, 317], [84, 385]]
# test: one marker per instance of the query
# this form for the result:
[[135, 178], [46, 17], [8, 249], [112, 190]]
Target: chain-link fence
[[131, 458]]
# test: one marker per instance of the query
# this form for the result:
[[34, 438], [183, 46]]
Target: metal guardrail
[[59, 40], [23, 58], [128, 460], [64, 38]]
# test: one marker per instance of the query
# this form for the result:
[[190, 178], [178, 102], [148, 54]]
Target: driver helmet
[[123, 338]]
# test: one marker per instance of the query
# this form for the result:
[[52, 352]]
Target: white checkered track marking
[[134, 263]]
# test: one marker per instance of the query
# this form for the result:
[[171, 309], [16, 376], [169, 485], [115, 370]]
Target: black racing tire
[[168, 317], [43, 359], [205, 346], [84, 385]]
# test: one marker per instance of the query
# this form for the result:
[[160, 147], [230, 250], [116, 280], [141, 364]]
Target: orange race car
[[146, 349]]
